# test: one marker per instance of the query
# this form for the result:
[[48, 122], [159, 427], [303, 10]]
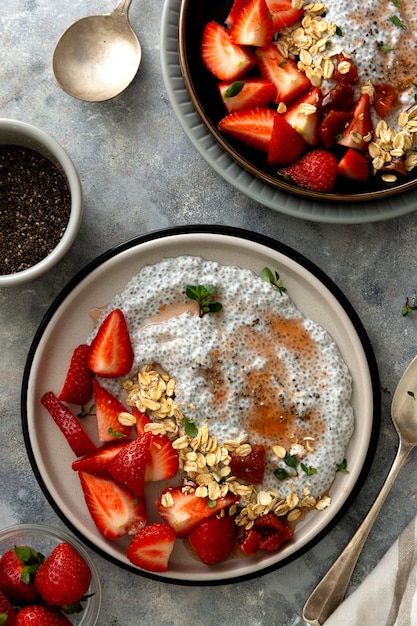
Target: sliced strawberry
[[250, 467], [339, 98], [353, 165], [223, 58], [271, 522], [286, 144], [214, 539], [253, 25], [346, 70], [79, 441], [151, 547], [252, 126], [141, 420], [237, 6], [108, 409], [78, 384], [385, 97], [114, 509], [129, 465], [283, 13], [333, 126], [290, 83], [188, 511], [98, 461], [359, 132], [305, 115], [316, 171], [273, 540], [162, 460], [248, 543], [111, 352], [247, 93]]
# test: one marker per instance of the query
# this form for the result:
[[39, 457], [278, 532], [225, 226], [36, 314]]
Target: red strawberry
[[339, 98], [252, 126], [237, 6], [223, 58], [353, 165], [129, 465], [108, 409], [253, 25], [247, 93], [111, 352], [359, 132], [163, 458], [316, 171], [290, 83], [248, 543], [7, 614], [286, 143], [303, 118], [214, 539], [274, 532], [64, 577], [385, 97], [349, 75], [114, 508], [78, 384], [333, 126], [77, 438], [187, 511], [17, 571], [141, 420], [39, 615], [98, 461], [151, 547], [283, 13], [250, 467]]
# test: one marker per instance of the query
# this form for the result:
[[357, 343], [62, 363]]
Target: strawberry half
[[79, 441], [98, 461], [252, 126], [162, 458], [286, 144], [78, 384], [290, 83], [108, 409], [316, 171], [353, 165], [283, 13], [114, 509], [111, 352], [214, 539], [223, 58], [251, 467], [248, 543], [247, 93], [129, 465], [253, 25], [151, 547], [304, 115], [187, 511], [237, 6], [359, 132]]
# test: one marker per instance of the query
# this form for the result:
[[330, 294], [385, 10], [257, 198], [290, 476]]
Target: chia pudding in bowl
[[41, 202]]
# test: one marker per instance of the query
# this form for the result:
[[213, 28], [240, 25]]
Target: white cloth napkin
[[388, 596]]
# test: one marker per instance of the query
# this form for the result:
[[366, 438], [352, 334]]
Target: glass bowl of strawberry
[[48, 576]]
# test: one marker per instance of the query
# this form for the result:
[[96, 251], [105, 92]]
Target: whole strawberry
[[39, 615], [7, 614], [63, 578], [17, 571], [316, 171]]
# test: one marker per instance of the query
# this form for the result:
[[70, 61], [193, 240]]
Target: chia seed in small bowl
[[40, 202]]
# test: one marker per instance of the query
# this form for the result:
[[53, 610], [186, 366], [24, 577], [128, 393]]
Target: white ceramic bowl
[[13, 132], [44, 539]]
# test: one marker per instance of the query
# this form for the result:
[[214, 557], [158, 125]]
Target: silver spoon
[[331, 590], [98, 56]]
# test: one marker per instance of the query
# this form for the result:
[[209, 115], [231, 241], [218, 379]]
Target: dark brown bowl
[[202, 88]]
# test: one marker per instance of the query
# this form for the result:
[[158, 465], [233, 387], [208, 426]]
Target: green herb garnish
[[339, 31], [190, 428], [211, 503], [275, 281], [234, 89], [281, 473], [407, 308], [394, 19], [411, 394], [115, 433], [308, 470], [85, 412], [385, 48], [342, 467], [204, 295], [396, 3]]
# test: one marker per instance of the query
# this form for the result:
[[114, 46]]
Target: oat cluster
[[391, 144]]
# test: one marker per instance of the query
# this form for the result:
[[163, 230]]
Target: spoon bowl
[[98, 56]]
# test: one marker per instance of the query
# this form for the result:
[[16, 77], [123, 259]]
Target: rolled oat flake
[[35, 205]]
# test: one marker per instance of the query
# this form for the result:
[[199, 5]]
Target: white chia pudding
[[258, 366]]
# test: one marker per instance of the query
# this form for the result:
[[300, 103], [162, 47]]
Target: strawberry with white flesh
[[316, 171], [163, 459], [304, 115], [236, 8], [151, 547], [187, 511], [253, 25], [108, 409], [223, 58], [286, 144], [214, 539], [129, 465], [63, 578], [114, 509], [78, 384], [98, 461], [40, 615], [353, 165], [111, 352], [283, 14], [251, 126], [359, 132], [247, 93], [79, 441], [289, 81]]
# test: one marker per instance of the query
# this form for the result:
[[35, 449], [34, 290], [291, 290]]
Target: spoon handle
[[331, 590], [123, 7]]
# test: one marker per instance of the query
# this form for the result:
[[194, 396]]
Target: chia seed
[[35, 205]]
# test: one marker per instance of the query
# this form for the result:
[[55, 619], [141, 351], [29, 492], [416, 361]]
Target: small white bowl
[[44, 539], [13, 132]]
